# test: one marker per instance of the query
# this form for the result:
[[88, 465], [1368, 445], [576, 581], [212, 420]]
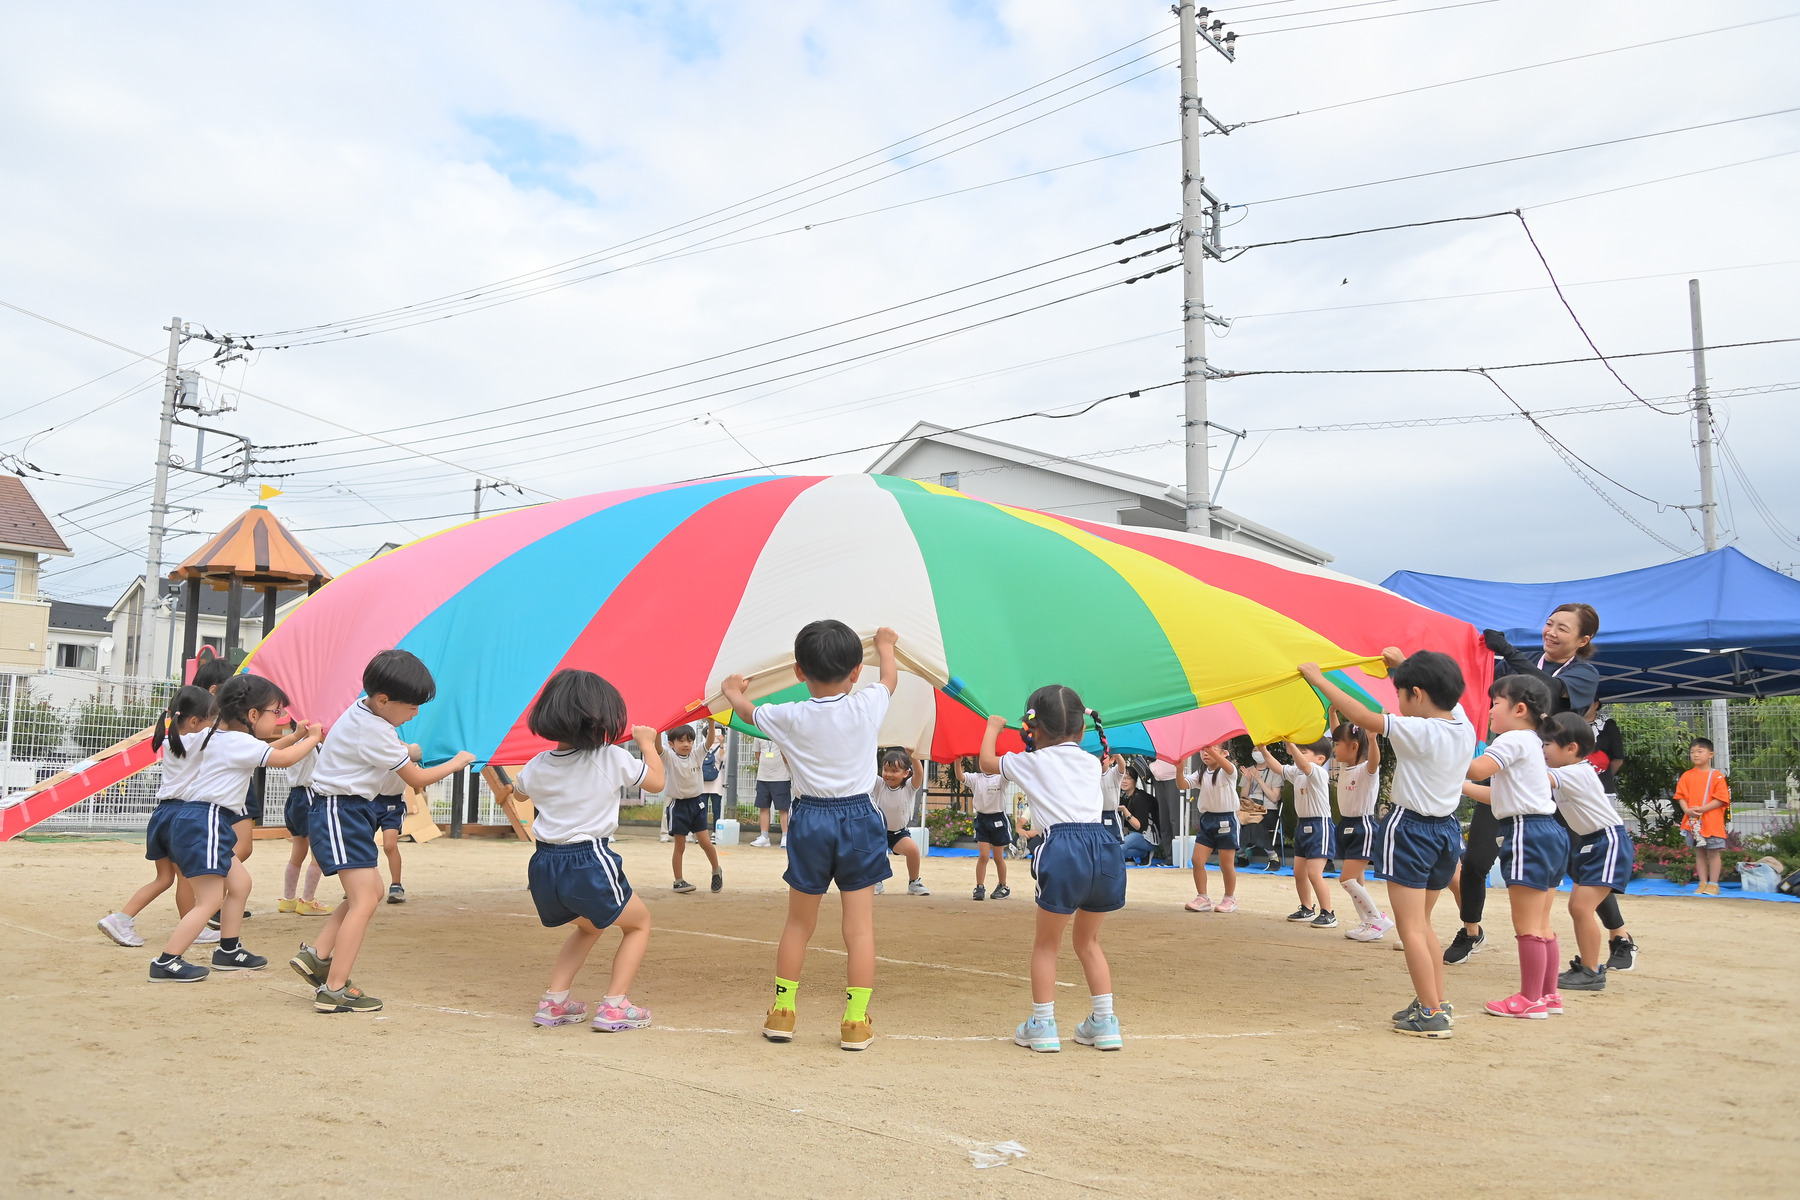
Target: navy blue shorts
[[689, 816], [1356, 838], [1079, 866], [1534, 851], [776, 792], [253, 806], [1217, 831], [1313, 838], [995, 829], [390, 812], [342, 831], [1109, 817], [1418, 852], [1604, 858], [196, 836], [841, 841], [297, 816], [896, 836], [156, 837], [578, 879]]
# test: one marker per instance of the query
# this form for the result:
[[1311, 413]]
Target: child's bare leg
[[1583, 903], [1315, 877], [859, 937], [677, 849], [184, 894], [999, 865], [314, 873], [1424, 957], [1530, 910], [910, 848], [245, 830], [574, 953], [237, 898], [140, 899], [1715, 864], [1201, 854], [983, 852], [209, 894], [704, 837], [1044, 948], [342, 936], [1228, 871], [634, 924], [1093, 959], [390, 845], [290, 875], [1302, 884], [762, 819], [802, 919]]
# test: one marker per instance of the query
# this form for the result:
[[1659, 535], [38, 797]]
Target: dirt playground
[[1258, 1061]]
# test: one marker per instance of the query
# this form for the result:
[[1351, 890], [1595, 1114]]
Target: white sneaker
[[761, 841], [207, 937], [881, 887], [665, 838], [784, 841], [916, 887], [1374, 930], [121, 929], [1357, 932]]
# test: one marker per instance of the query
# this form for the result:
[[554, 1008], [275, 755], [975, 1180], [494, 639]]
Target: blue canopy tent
[[1715, 625]]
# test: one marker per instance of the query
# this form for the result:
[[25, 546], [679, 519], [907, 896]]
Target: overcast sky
[[269, 169]]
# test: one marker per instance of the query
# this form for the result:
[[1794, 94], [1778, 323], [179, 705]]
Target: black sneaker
[[178, 971], [1001, 892], [238, 960], [981, 891], [1462, 946], [396, 894], [1325, 920], [1622, 954], [1581, 978], [682, 885], [1303, 913]]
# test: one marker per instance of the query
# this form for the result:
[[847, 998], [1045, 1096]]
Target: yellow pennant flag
[[269, 493]]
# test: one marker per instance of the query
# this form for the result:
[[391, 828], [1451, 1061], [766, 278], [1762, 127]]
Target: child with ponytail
[[1217, 829], [1359, 779], [188, 713], [1080, 866], [1534, 848]]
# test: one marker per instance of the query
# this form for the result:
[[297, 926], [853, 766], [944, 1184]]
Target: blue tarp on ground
[[1717, 624]]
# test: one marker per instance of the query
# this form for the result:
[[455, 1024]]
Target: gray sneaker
[[1435, 1026], [396, 894], [981, 891], [718, 881], [917, 887], [121, 929], [1415, 1008], [1581, 978], [309, 966], [348, 998], [682, 885]]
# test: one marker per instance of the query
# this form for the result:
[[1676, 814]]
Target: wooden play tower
[[254, 551]]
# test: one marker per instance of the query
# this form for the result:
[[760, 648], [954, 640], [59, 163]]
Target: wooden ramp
[[65, 789]]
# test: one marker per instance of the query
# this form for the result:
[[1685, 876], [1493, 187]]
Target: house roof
[[84, 618], [23, 523], [1137, 485]]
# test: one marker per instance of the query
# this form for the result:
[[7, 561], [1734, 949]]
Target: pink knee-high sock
[[1531, 966], [1552, 964], [313, 873], [290, 878]]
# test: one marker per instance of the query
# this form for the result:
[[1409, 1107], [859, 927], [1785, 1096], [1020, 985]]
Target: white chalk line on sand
[[894, 962], [1130, 1037], [39, 932]]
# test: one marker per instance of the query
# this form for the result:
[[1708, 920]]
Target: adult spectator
[[1137, 813]]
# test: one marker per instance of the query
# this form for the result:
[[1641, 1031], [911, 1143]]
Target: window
[[950, 479], [9, 577], [216, 645], [75, 657]]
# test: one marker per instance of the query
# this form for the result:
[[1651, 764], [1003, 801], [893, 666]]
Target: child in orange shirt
[[1705, 797]]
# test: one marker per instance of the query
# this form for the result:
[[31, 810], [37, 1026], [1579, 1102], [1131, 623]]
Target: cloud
[[530, 154]]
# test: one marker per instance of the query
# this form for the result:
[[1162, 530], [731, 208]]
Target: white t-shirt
[[177, 773], [300, 774], [1109, 788], [681, 772], [1581, 798], [771, 765], [1062, 782], [829, 741], [896, 804], [1431, 760], [221, 772], [986, 792], [576, 792], [1255, 777], [1218, 790], [1357, 785], [1312, 789], [1522, 786], [359, 754]]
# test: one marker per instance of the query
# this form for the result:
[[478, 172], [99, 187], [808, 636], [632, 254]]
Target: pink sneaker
[[569, 1012], [1553, 1003], [1199, 904], [617, 1018], [1227, 905], [1516, 1005]]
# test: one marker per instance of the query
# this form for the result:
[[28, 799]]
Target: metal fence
[[1757, 745]]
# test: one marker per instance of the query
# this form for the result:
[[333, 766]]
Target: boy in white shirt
[[689, 813], [1314, 840], [774, 790], [838, 834], [993, 827]]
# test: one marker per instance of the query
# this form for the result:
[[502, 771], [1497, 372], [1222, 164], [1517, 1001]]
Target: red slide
[[117, 762]]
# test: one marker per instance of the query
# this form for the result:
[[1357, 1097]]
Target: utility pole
[[159, 509], [1720, 722], [1195, 245]]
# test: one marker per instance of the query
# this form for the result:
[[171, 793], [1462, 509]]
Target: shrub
[[947, 825], [37, 726]]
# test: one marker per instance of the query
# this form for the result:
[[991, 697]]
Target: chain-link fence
[[1757, 743]]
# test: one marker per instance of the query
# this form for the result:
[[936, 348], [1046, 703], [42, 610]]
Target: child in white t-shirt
[[896, 793], [993, 826], [1314, 843], [837, 835], [688, 813], [1601, 853], [1359, 780], [1217, 829], [575, 874], [1080, 864]]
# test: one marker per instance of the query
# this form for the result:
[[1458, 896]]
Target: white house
[[1051, 483], [166, 628]]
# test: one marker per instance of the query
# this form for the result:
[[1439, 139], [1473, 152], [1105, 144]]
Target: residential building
[[1067, 487], [27, 538], [166, 628]]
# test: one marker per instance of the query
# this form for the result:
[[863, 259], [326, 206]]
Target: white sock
[[314, 873], [1365, 907], [289, 879], [1103, 1005], [557, 997], [1043, 1012], [613, 1001]]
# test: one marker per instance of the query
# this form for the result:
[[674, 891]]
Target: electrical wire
[[1519, 366], [1411, 12]]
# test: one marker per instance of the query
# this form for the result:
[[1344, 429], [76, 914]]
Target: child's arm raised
[[646, 739], [419, 778], [989, 762], [918, 779], [304, 739], [885, 641], [1352, 710], [735, 688]]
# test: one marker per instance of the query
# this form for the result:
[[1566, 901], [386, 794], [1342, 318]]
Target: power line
[[1489, 418], [1548, 362], [1411, 12]]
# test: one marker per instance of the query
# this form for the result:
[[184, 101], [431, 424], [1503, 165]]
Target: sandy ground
[[1258, 1058]]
